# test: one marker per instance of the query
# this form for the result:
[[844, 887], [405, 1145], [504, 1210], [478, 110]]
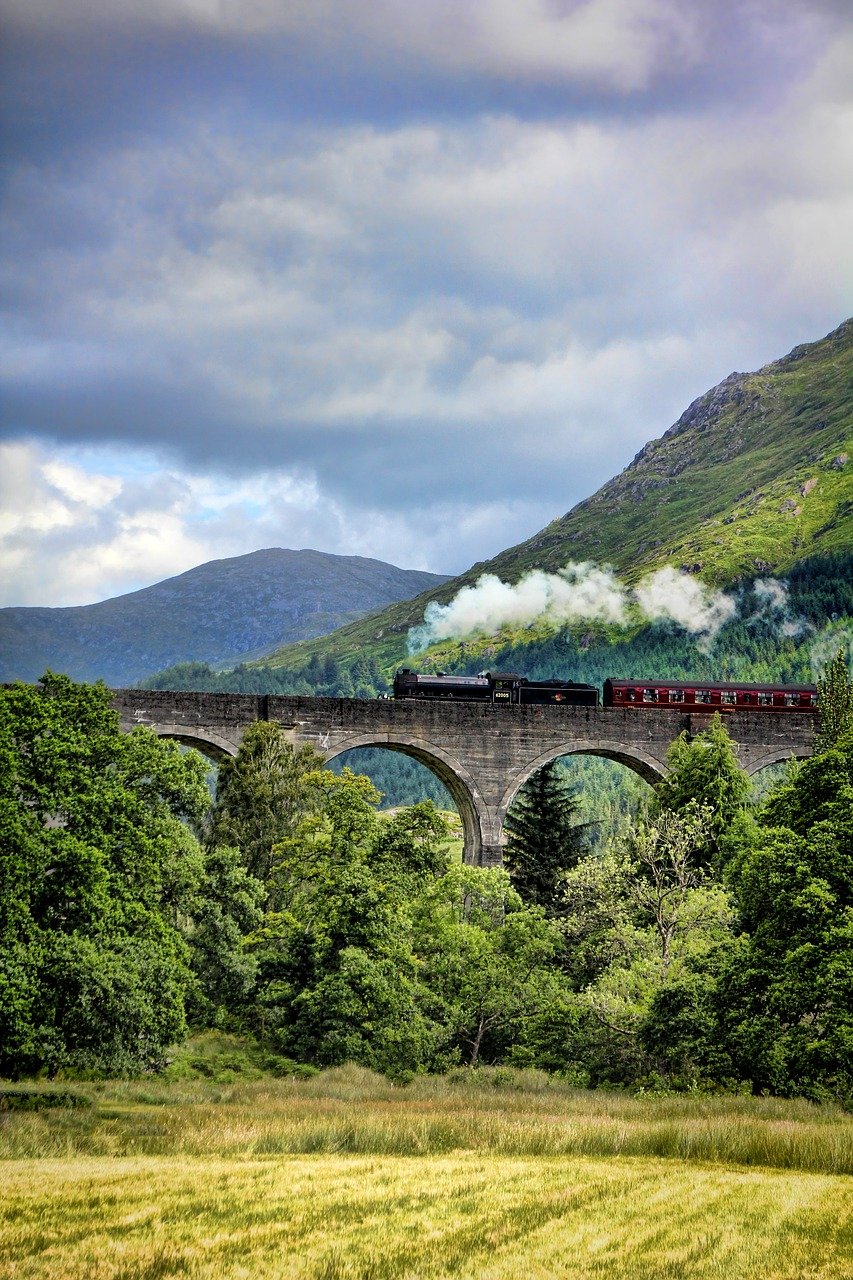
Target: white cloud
[[432, 336], [80, 528], [95, 491], [500, 272]]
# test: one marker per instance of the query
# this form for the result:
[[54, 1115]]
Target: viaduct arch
[[482, 753]]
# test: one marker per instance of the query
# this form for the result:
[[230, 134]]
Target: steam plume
[[826, 644], [578, 592], [701, 610]]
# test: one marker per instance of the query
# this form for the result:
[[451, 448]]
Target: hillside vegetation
[[754, 478]]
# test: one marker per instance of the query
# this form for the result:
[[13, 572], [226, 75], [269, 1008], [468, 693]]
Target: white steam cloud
[[579, 592], [772, 598], [825, 645], [685, 600]]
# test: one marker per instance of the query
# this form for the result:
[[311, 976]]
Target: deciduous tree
[[644, 922], [261, 794], [835, 703], [787, 1004], [338, 976], [98, 868], [705, 770]]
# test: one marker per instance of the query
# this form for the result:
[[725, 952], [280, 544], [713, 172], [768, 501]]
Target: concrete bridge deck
[[482, 753]]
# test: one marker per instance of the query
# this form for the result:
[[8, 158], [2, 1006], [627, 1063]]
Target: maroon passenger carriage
[[698, 695]]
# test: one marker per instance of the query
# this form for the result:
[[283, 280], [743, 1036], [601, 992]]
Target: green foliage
[[338, 979], [224, 1057], [544, 837], [41, 1100], [644, 925], [835, 703], [787, 1004], [322, 677], [705, 770], [261, 795], [487, 958], [97, 868], [226, 907]]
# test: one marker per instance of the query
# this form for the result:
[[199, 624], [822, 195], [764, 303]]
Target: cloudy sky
[[402, 278]]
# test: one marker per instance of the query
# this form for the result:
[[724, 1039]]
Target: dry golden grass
[[342, 1217], [502, 1177]]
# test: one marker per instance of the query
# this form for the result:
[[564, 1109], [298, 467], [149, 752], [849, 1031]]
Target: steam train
[[674, 695]]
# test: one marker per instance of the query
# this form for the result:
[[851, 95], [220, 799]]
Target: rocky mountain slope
[[755, 477], [221, 612]]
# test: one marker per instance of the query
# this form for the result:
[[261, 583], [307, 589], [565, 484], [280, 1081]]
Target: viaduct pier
[[482, 753]]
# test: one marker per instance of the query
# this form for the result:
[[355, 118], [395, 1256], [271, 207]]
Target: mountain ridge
[[223, 611], [753, 477]]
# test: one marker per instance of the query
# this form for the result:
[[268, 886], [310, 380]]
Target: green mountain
[[754, 478], [221, 612]]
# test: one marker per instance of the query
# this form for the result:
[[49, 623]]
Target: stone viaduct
[[482, 753]]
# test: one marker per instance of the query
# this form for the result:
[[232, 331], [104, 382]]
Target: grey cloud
[[96, 72], [71, 536], [412, 274], [342, 298]]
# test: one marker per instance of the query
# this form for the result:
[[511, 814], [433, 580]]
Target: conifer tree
[[260, 795], [835, 703], [544, 838]]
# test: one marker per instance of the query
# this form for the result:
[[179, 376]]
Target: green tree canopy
[[787, 1004], [486, 959], [644, 924], [705, 770], [338, 978], [835, 703], [97, 868], [261, 794]]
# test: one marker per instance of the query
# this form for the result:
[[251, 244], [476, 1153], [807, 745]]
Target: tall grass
[[351, 1110], [495, 1174]]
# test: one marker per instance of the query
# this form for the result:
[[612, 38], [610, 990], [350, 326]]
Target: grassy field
[[505, 1175]]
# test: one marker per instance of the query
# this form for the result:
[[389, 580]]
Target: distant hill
[[220, 613], [754, 478]]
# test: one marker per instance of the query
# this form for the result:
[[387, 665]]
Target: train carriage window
[[792, 699], [650, 695], [765, 699], [728, 698], [703, 695], [746, 699], [676, 695], [631, 695], [810, 699]]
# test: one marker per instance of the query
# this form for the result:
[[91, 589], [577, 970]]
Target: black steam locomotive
[[498, 687], [635, 695]]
